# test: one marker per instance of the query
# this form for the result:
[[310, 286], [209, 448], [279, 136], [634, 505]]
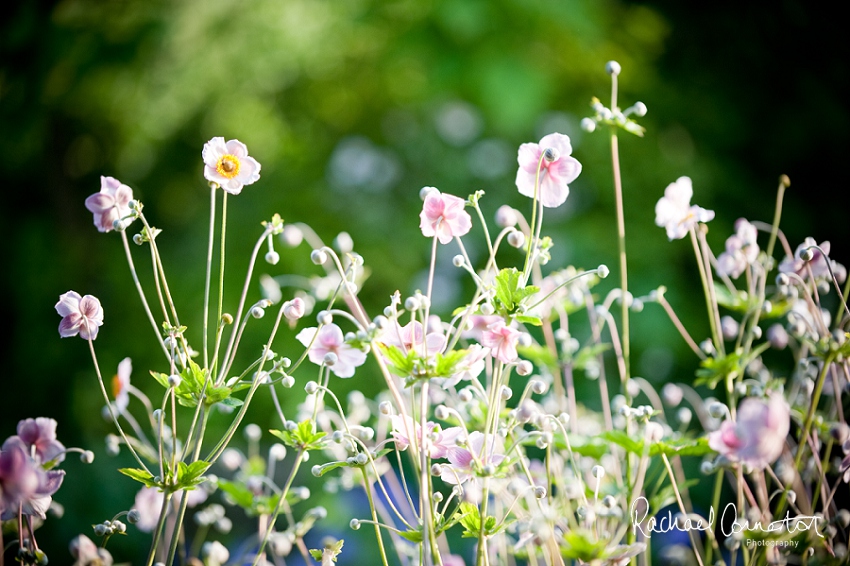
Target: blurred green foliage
[[351, 106]]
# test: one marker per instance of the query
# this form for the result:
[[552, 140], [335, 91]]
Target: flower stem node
[[612, 68]]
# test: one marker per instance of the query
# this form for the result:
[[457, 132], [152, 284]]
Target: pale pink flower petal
[[502, 341], [555, 175], [80, 315], [758, 435], [329, 339], [110, 204], [444, 216], [674, 211], [229, 165]]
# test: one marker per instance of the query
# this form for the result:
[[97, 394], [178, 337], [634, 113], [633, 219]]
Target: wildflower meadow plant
[[478, 450]]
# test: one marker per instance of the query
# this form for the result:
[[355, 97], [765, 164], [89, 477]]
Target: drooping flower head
[[24, 485], [110, 204], [39, 436], [741, 250], [758, 436], [443, 216], [229, 165], [557, 169], [674, 211], [462, 461], [330, 340], [80, 315], [817, 263]]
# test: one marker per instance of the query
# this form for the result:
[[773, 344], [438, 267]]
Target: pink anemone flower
[[443, 216], [758, 436], [110, 204], [80, 315], [229, 165], [557, 169], [330, 340]]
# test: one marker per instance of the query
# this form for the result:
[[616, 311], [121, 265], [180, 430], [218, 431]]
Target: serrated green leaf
[[140, 476], [713, 370], [526, 319], [241, 495]]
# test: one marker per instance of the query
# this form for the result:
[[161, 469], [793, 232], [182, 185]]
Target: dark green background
[[737, 95]]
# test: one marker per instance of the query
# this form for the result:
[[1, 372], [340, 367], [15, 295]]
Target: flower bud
[[441, 412], [133, 516], [539, 491], [551, 154], [277, 451], [436, 469], [318, 257], [598, 472], [588, 124], [324, 318], [639, 109], [257, 312], [354, 524], [87, 457], [330, 359], [612, 68], [524, 368], [174, 380], [506, 216], [458, 261], [506, 393], [311, 387], [253, 432], [344, 243], [294, 309], [516, 239], [425, 191], [272, 257]]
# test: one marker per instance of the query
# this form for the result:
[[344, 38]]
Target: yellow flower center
[[227, 166], [117, 386]]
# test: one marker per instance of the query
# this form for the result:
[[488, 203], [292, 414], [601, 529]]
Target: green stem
[[368, 488], [166, 500], [210, 246], [298, 459]]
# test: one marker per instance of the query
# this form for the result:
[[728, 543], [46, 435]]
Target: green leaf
[[241, 495], [304, 437], [717, 369], [140, 476], [677, 447], [526, 319], [412, 536], [400, 363], [579, 544], [508, 291]]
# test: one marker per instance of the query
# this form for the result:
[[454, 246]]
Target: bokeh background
[[351, 107]]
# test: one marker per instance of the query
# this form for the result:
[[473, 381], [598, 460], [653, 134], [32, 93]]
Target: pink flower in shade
[[758, 436], [24, 485], [229, 165], [87, 553], [818, 263], [462, 465], [410, 337], [440, 441], [329, 340], [741, 250], [502, 341], [80, 315], [121, 385], [110, 204], [148, 503], [557, 169], [674, 211], [39, 436], [443, 216]]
